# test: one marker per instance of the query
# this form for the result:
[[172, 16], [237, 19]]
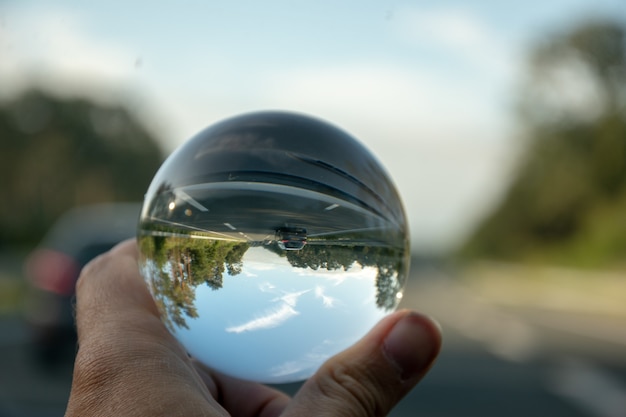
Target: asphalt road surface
[[495, 362]]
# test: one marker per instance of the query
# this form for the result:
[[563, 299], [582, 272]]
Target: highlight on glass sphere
[[270, 242]]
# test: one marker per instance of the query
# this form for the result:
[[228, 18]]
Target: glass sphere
[[270, 242]]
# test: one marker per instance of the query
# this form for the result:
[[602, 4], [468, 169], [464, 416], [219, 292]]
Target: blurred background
[[503, 125]]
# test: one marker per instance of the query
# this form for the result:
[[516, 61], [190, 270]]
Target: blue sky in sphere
[[277, 323], [428, 86]]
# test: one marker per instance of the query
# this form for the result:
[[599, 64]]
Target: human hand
[[128, 364]]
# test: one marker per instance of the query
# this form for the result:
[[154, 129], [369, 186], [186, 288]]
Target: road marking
[[590, 388], [601, 333], [502, 334], [214, 235], [331, 207], [188, 199], [230, 226]]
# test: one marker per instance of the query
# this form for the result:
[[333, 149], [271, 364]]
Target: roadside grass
[[12, 294], [555, 288], [13, 286]]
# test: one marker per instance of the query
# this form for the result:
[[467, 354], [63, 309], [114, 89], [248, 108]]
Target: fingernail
[[412, 344]]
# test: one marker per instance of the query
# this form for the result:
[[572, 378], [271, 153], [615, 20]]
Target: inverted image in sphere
[[270, 242]]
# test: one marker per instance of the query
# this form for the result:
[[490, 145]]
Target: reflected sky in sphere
[[275, 323], [270, 242]]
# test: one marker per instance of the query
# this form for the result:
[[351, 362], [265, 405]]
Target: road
[[223, 211], [516, 360], [495, 361]]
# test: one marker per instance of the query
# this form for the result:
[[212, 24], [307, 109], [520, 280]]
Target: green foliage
[[568, 201], [178, 261], [180, 264], [389, 263], [60, 153]]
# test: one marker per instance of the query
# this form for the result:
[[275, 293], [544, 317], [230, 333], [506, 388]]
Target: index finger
[[125, 354], [110, 290]]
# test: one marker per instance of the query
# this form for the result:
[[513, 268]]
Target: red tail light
[[52, 271]]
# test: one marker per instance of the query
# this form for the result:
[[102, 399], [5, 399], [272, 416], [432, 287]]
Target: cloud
[[272, 318], [291, 298], [385, 103], [327, 300], [460, 34], [453, 77], [338, 276], [55, 48]]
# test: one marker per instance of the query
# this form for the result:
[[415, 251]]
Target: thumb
[[372, 376]]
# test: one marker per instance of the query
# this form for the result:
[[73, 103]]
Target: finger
[[127, 362], [244, 398], [370, 378], [127, 247], [111, 287]]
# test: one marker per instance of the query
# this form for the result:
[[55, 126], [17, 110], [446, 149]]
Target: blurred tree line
[[567, 204], [57, 153]]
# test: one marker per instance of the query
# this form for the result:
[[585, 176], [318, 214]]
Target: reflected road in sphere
[[254, 211]]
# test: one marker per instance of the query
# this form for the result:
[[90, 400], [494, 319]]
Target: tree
[[60, 153], [175, 265], [573, 107], [390, 264]]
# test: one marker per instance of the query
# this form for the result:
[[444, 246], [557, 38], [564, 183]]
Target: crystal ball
[[271, 241]]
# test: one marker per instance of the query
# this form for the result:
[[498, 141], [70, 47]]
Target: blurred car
[[291, 238], [52, 270]]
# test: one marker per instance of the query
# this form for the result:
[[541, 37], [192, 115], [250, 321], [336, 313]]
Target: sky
[[428, 86], [280, 317]]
